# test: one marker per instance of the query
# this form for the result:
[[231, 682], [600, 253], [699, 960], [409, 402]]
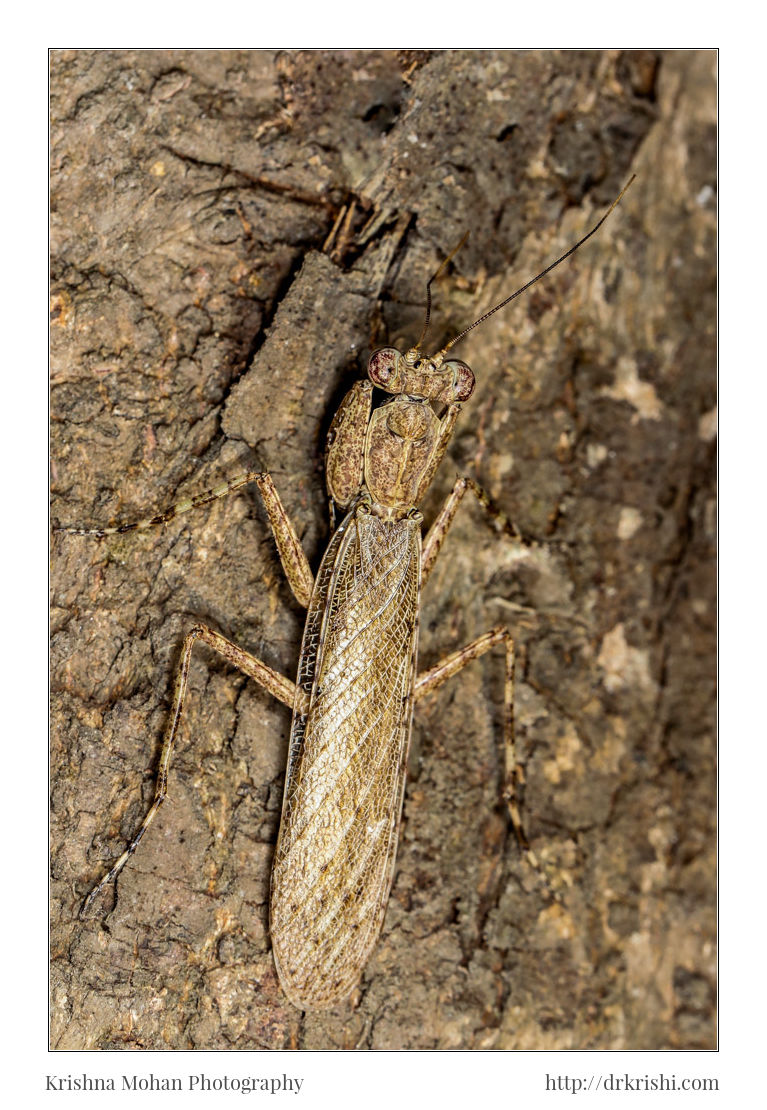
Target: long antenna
[[538, 277], [434, 277]]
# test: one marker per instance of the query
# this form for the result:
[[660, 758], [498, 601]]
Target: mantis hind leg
[[437, 675], [276, 684]]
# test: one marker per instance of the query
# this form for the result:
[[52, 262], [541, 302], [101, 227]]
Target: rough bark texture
[[199, 329]]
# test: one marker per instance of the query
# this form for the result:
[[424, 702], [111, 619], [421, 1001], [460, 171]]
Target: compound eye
[[383, 367], [463, 379]]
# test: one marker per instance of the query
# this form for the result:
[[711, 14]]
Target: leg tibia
[[181, 507], [439, 529], [282, 688], [437, 675], [292, 557]]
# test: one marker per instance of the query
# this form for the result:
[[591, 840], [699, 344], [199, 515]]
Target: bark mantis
[[357, 681]]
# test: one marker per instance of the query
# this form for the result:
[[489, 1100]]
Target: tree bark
[[199, 329]]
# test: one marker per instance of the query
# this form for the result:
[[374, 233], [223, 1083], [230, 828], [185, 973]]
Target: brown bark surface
[[199, 329]]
